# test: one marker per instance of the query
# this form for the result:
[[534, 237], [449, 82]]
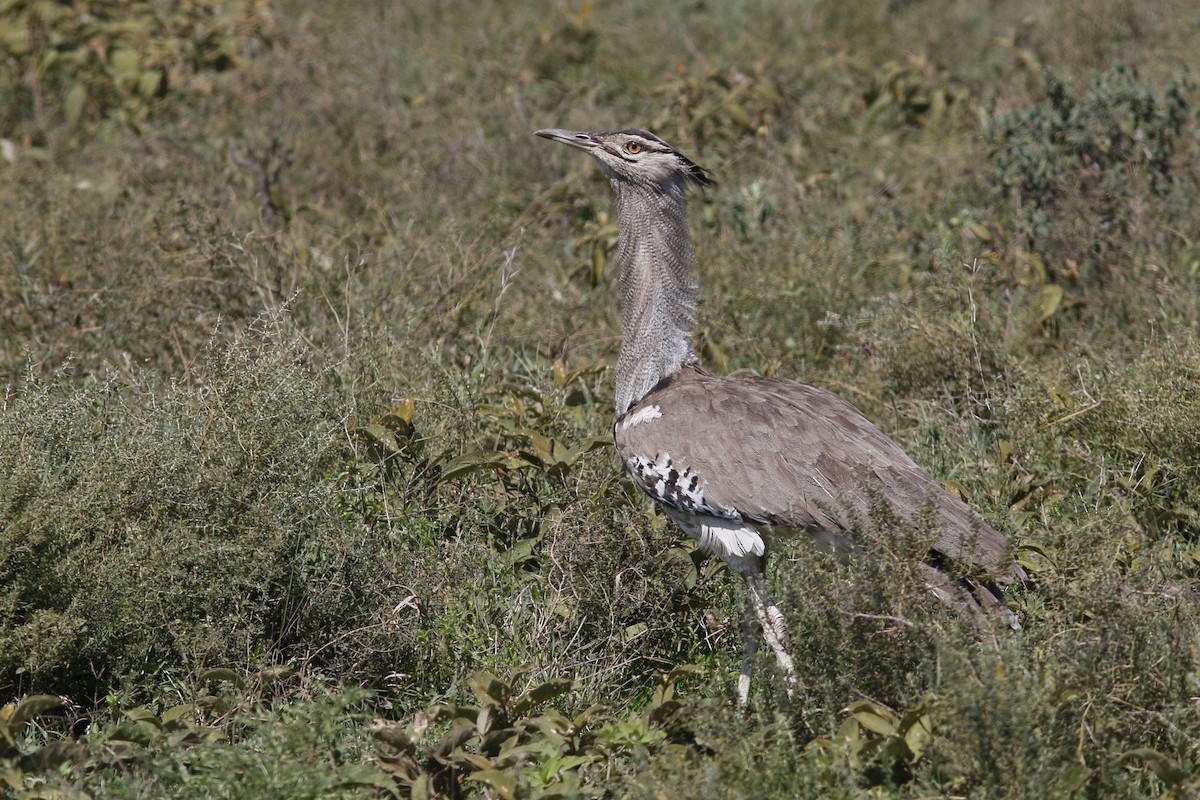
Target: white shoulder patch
[[641, 415]]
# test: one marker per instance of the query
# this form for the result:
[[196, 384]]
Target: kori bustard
[[735, 460]]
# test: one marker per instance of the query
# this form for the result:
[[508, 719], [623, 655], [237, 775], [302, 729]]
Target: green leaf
[[980, 231], [477, 761], [957, 489], [874, 717], [1047, 301], [542, 443], [875, 723], [555, 687], [379, 436], [474, 461], [582, 718], [12, 778], [177, 712], [573, 762], [73, 103], [33, 705], [276, 672], [690, 670], [1062, 397], [849, 732], [691, 560], [143, 714], [599, 258], [453, 739], [592, 443], [918, 730], [47, 61], [148, 83], [395, 736], [223, 674], [423, 719], [124, 64], [503, 783], [420, 788], [1167, 769], [633, 631], [552, 723], [483, 721], [53, 756], [490, 689], [1075, 777], [520, 552], [366, 776]]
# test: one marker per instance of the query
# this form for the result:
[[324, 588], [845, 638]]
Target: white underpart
[[737, 543], [720, 531]]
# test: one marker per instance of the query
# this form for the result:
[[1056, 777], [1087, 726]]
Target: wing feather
[[787, 454]]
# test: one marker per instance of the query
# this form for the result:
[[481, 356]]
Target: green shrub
[[146, 526], [531, 547], [254, 736], [1095, 178], [500, 742], [1128, 430], [112, 59]]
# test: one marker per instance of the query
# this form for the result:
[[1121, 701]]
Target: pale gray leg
[[750, 634], [773, 628]]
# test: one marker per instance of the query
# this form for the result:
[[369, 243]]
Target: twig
[[260, 167], [884, 618], [1072, 415]]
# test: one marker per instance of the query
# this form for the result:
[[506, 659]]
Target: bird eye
[[633, 148]]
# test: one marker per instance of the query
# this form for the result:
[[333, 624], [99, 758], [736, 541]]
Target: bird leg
[[773, 628], [750, 633]]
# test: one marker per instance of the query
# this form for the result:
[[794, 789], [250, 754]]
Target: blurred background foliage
[[306, 486]]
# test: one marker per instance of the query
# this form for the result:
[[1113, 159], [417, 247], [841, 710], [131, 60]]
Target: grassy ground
[[307, 357]]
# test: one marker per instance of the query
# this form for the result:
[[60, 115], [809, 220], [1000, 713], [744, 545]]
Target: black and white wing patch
[[719, 530]]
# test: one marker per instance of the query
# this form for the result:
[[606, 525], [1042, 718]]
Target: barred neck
[[658, 295]]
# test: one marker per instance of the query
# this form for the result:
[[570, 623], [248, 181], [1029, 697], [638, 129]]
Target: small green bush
[[1129, 429], [112, 59], [1091, 177], [256, 736], [147, 526]]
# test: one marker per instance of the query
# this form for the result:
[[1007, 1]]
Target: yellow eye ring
[[633, 148]]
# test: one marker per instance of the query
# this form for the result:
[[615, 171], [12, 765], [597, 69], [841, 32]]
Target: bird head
[[633, 156]]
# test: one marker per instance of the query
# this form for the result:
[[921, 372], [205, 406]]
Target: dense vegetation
[[306, 488]]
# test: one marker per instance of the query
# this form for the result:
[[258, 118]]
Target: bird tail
[[981, 599]]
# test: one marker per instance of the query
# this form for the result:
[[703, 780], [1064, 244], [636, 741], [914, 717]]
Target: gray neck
[[658, 297]]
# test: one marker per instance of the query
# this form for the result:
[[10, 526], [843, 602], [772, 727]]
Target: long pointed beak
[[580, 139]]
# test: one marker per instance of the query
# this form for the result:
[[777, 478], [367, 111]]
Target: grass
[[307, 489]]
